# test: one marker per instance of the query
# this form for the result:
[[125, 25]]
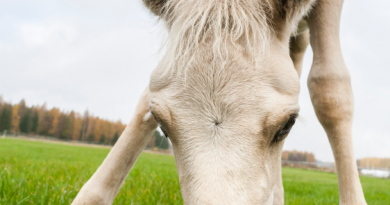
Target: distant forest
[[19, 119], [374, 162], [298, 156]]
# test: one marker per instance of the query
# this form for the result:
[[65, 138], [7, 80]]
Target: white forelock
[[214, 22]]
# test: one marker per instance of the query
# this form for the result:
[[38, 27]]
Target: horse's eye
[[281, 134], [288, 126]]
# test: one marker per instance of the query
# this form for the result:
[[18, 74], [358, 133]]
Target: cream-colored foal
[[226, 94]]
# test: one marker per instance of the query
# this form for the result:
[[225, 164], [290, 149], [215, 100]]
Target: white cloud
[[47, 35]]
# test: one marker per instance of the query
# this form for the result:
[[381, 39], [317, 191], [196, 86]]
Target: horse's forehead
[[238, 79], [234, 87]]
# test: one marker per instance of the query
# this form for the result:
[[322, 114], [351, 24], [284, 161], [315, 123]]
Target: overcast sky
[[98, 55]]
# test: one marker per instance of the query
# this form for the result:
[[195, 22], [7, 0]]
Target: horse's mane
[[214, 23]]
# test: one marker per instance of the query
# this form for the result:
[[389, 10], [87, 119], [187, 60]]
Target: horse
[[226, 94]]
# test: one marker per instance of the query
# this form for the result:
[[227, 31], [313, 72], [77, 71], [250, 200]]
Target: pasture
[[34, 172]]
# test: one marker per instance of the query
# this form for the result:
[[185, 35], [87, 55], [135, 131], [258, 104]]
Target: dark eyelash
[[281, 134]]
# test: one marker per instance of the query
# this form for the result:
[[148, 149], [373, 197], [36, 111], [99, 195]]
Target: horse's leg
[[298, 45], [331, 94], [105, 183]]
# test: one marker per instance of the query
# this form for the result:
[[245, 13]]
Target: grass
[[45, 173]]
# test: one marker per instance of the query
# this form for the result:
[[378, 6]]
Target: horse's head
[[226, 94]]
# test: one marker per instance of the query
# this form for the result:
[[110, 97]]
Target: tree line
[[38, 120], [298, 156]]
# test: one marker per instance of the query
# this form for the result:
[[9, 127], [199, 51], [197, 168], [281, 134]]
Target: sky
[[98, 55]]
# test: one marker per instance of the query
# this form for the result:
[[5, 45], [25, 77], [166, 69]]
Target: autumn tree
[[90, 129], [64, 126], [15, 119], [111, 134], [77, 127], [85, 124], [54, 115], [285, 155], [71, 118], [43, 120], [310, 157]]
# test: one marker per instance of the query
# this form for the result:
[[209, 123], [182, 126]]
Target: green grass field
[[45, 173]]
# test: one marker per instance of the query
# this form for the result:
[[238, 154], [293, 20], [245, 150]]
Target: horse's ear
[[155, 6]]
